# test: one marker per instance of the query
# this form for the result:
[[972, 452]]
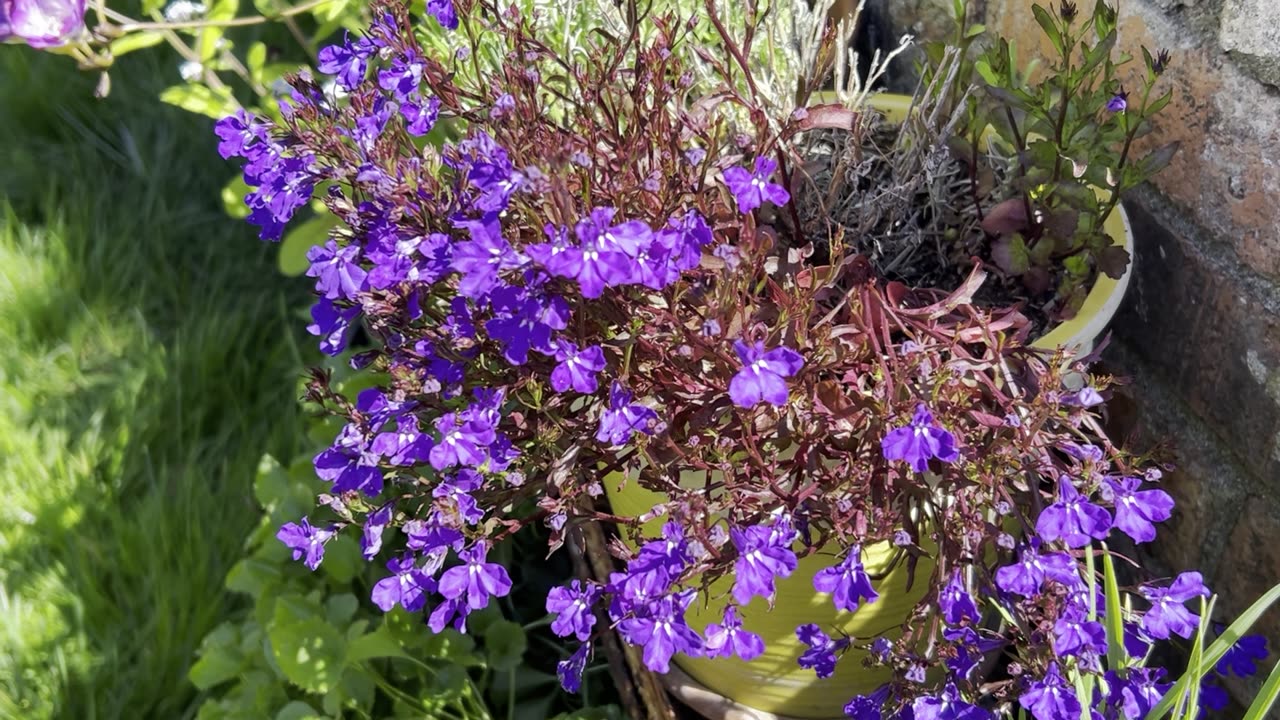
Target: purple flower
[[1118, 102], [1072, 518], [623, 418], [663, 631], [407, 586], [347, 61], [524, 320], [331, 325], [823, 652], [1138, 692], [918, 442], [429, 537], [1136, 510], [947, 706], [371, 536], [762, 373], [1051, 698], [237, 133], [1167, 615], [970, 647], [42, 23], [444, 13], [684, 239], [570, 671], [1242, 657], [449, 613], [475, 579], [403, 77], [867, 707], [406, 446], [573, 608], [350, 464], [1213, 697], [480, 259], [419, 115], [764, 553], [727, 638], [956, 603], [752, 188], [1027, 575], [463, 441], [848, 582], [337, 270], [1074, 635], [605, 256], [305, 540], [577, 368]]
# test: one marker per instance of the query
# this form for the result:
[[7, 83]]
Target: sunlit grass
[[147, 360]]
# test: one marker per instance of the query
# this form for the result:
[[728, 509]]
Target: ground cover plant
[[148, 362]]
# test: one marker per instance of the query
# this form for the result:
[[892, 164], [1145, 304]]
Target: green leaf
[[1158, 104], [310, 653], [1261, 706], [200, 100], [505, 643], [233, 203], [1115, 613], [1049, 26], [255, 60], [252, 576], [974, 31], [339, 609], [380, 643], [220, 658], [451, 645], [210, 37], [298, 710], [342, 559], [136, 41], [331, 11], [298, 241], [1011, 255]]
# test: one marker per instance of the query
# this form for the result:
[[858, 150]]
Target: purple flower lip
[[1118, 102]]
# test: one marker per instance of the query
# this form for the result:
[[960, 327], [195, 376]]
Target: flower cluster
[[560, 292]]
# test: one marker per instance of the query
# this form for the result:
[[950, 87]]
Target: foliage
[[149, 360], [312, 646]]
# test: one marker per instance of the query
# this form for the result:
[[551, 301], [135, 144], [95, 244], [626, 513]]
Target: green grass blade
[[1261, 706], [1115, 612]]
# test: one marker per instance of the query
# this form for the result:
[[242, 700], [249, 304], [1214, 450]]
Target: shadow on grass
[[148, 357]]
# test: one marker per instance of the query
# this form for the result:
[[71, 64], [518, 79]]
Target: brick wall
[[1200, 330]]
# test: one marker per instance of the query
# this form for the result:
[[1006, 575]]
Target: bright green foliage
[[131, 415]]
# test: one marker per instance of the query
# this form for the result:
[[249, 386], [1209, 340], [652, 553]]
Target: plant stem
[[128, 25]]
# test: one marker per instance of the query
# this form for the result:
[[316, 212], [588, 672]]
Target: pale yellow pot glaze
[[774, 682]]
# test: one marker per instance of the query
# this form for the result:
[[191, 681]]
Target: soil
[[909, 207]]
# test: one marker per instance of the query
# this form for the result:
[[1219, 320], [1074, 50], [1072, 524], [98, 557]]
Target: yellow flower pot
[[774, 686]]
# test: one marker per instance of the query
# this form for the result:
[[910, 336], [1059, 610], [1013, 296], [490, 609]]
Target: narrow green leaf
[[136, 41], [1049, 26], [200, 100], [1115, 613], [1158, 104], [255, 60], [1261, 706], [211, 37]]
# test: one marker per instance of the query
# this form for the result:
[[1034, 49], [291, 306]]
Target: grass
[[148, 357]]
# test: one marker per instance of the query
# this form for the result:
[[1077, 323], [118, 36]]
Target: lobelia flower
[[761, 377], [847, 582], [1072, 518], [823, 652], [623, 418], [1137, 510], [1051, 698], [605, 255], [970, 648], [1118, 102], [350, 464], [1138, 691], [407, 445], [1027, 575], [347, 62], [947, 706], [403, 77], [332, 324], [752, 188], [420, 115], [663, 631], [444, 13], [463, 441], [337, 270], [449, 613], [570, 671], [1074, 635], [1242, 657], [42, 23], [239, 133], [920, 441], [764, 553], [483, 257], [407, 586], [577, 368], [475, 580], [727, 638], [305, 541], [1213, 697], [956, 603], [573, 608], [427, 537], [371, 535], [868, 707], [1167, 615]]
